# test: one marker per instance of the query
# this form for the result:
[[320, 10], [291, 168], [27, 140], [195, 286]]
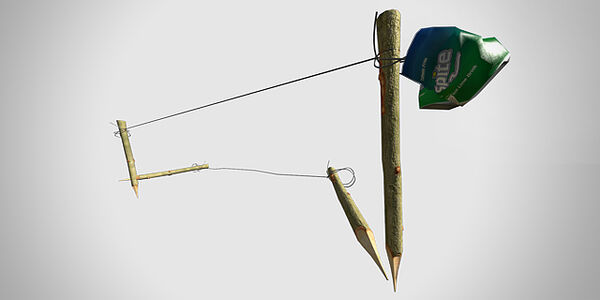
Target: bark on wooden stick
[[170, 172], [359, 225], [388, 36], [128, 155]]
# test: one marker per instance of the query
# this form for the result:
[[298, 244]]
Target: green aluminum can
[[452, 65]]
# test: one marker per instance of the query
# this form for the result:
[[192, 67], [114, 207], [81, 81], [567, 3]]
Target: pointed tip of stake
[[367, 240], [394, 265], [135, 189]]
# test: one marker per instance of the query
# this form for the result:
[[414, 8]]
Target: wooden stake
[[169, 172], [359, 225], [388, 36], [128, 155]]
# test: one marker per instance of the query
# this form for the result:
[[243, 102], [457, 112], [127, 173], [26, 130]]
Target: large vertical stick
[[128, 155], [388, 36], [359, 225]]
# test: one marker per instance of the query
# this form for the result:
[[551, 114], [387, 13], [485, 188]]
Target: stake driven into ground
[[388, 37]]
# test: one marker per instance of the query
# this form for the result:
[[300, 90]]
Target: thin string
[[252, 93], [346, 184], [375, 60]]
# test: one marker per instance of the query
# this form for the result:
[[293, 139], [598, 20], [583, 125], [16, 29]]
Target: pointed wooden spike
[[135, 189], [128, 154], [388, 38], [355, 218], [394, 265], [367, 240]]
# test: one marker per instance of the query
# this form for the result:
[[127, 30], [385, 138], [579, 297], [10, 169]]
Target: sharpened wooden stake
[[128, 155], [359, 225], [169, 172], [388, 37]]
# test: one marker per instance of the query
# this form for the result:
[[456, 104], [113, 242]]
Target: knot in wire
[[118, 133], [195, 165], [377, 59]]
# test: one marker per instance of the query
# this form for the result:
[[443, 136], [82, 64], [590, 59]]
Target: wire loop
[[195, 165], [352, 180], [118, 133]]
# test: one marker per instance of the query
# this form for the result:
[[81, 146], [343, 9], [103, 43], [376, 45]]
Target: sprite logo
[[452, 65], [441, 73]]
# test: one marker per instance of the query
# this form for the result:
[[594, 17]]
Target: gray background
[[500, 196]]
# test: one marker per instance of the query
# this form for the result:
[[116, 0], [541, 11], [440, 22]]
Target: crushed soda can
[[452, 65]]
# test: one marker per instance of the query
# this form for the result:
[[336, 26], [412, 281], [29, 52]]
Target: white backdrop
[[500, 196]]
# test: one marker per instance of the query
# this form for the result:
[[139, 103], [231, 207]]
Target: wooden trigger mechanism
[[133, 176]]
